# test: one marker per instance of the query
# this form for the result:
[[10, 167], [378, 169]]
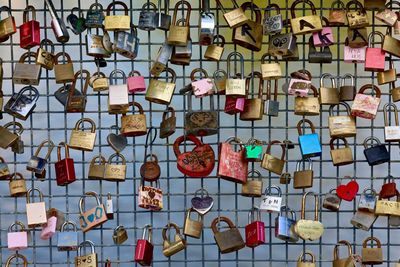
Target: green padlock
[[254, 150]]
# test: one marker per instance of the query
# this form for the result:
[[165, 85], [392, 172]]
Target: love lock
[[118, 142]]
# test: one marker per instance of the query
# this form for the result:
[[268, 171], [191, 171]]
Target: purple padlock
[[136, 83], [17, 239], [49, 229]]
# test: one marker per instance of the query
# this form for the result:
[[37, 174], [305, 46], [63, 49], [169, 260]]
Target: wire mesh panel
[[49, 121]]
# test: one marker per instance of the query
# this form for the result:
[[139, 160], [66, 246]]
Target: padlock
[[161, 60], [109, 207], [179, 35], [94, 217], [232, 165], [347, 92], [115, 172], [376, 154], [387, 76], [254, 230], [49, 229], [303, 178], [357, 18], [282, 45], [117, 22], [304, 103], [285, 178], [16, 256], [83, 140], [374, 4], [168, 125], [357, 38], [366, 106], [343, 262], [22, 104], [309, 229], [325, 37], [270, 71], [7, 24], [8, 138], [269, 202], [374, 57], [387, 16], [394, 220], [99, 82], [17, 185], [161, 92], [372, 256], [17, 239], [29, 31], [253, 186], [354, 55], [220, 76], [284, 226], [136, 83], [150, 197], [235, 87], [183, 57], [108, 46], [95, 16], [310, 145], [64, 73], [328, 95], [135, 124], [164, 19], [324, 55], [206, 24], [250, 34], [172, 247], [17, 129], [203, 86], [35, 211], [254, 150], [45, 58], [96, 171], [28, 74], [95, 44], [235, 17], [193, 228], [307, 24], [272, 24], [148, 17], [302, 262], [337, 16], [363, 220], [392, 133], [341, 156], [4, 170], [367, 200], [272, 163], [388, 207], [395, 91], [331, 201], [38, 164], [229, 240], [150, 170], [75, 23], [293, 57], [391, 44], [77, 103], [341, 125], [120, 235], [388, 189], [234, 105], [88, 260], [127, 43], [118, 97], [67, 240], [253, 107], [215, 50], [348, 191], [65, 170], [62, 93], [144, 247], [272, 104]]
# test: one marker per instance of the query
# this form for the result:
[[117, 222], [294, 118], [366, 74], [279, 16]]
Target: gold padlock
[[172, 247], [99, 82], [372, 255], [387, 76], [117, 22], [253, 186], [82, 140], [120, 235], [337, 16], [17, 185], [35, 211], [395, 92], [253, 107], [161, 92], [357, 38], [388, 207], [341, 156], [193, 228], [270, 71], [235, 87], [168, 125], [8, 138], [390, 44], [215, 50], [134, 125], [357, 18], [64, 73], [115, 172], [328, 95], [179, 35], [88, 260], [301, 261], [343, 262], [303, 178], [96, 171], [229, 240], [44, 57], [77, 103], [306, 24], [28, 74], [342, 125], [307, 106], [16, 256], [272, 163], [7, 24], [236, 17]]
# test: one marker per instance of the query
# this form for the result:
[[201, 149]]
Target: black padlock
[[376, 154], [322, 56]]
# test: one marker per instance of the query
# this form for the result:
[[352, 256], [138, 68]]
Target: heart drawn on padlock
[[90, 218], [347, 192], [151, 194], [202, 204], [201, 118]]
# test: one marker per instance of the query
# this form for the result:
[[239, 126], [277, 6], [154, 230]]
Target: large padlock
[[168, 125], [255, 229], [161, 60], [28, 74], [144, 247], [376, 154], [17, 185], [148, 17], [354, 55], [307, 106], [136, 82], [135, 124], [390, 44], [94, 217], [161, 92], [328, 95], [341, 156], [67, 239], [88, 260], [203, 86], [118, 97], [324, 55], [83, 140], [120, 235], [22, 104], [235, 17], [76, 23], [302, 262], [387, 76], [235, 87], [337, 16], [115, 172], [343, 262], [363, 220], [284, 226], [272, 103], [374, 57], [4, 170], [392, 133], [253, 186], [341, 125], [272, 163], [232, 165], [307, 24], [387, 207], [44, 57], [94, 16], [7, 24], [331, 201], [366, 106], [65, 170], [37, 164], [253, 107], [282, 45], [150, 197], [357, 38], [269, 202], [117, 22], [179, 34], [29, 31], [77, 103], [193, 228], [367, 200], [272, 24], [229, 240], [347, 92], [64, 73], [303, 178], [172, 247], [215, 50], [127, 43], [270, 71], [309, 229], [35, 211], [310, 145], [96, 171], [95, 44], [357, 18], [206, 24], [325, 37], [17, 239], [16, 256], [372, 256]]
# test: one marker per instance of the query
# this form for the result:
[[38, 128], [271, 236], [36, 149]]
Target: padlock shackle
[[388, 178], [15, 226], [90, 121], [175, 15], [116, 72], [33, 96], [253, 7], [235, 5], [189, 211], [301, 122], [167, 228], [216, 39], [219, 219], [287, 210], [303, 255], [66, 148], [254, 171], [80, 12], [136, 104], [391, 3], [46, 42], [15, 256], [371, 138], [269, 8], [263, 58], [115, 155], [66, 223], [84, 244], [302, 160], [80, 73], [113, 4], [228, 63], [342, 243], [102, 159], [346, 144], [330, 76], [149, 5], [268, 190], [170, 71], [201, 190], [147, 229], [344, 77], [342, 103], [31, 190], [27, 55], [302, 74], [82, 199], [295, 3], [25, 15], [386, 111], [251, 215], [183, 138], [371, 36], [133, 72], [14, 123], [216, 77], [357, 4], [279, 143], [169, 109], [196, 70], [251, 76], [373, 192], [303, 205], [64, 55], [340, 5], [373, 88], [16, 176], [49, 149], [97, 5], [372, 239]]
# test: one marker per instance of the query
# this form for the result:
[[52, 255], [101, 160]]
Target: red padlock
[[388, 189], [29, 31], [196, 163], [374, 57], [234, 105], [136, 83], [144, 248], [232, 165], [255, 230], [65, 170]]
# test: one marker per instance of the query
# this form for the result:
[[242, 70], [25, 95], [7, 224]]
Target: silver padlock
[[94, 45], [363, 220], [161, 60], [269, 202], [207, 24], [148, 17], [127, 43], [331, 201], [164, 20], [367, 200], [392, 132], [67, 239], [272, 104], [284, 225], [22, 104]]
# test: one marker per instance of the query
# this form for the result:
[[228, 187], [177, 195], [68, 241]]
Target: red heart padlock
[[347, 192], [197, 163]]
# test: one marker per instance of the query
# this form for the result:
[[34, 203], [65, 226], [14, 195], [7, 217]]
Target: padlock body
[[67, 241], [193, 228], [36, 214], [342, 156], [376, 155], [374, 59], [310, 145], [363, 220], [273, 164], [89, 260], [29, 34], [284, 229], [392, 133], [136, 84], [17, 240], [372, 255], [255, 234], [272, 108], [229, 240], [49, 229], [65, 171], [342, 126], [354, 55], [303, 179], [252, 188], [144, 252], [234, 105]]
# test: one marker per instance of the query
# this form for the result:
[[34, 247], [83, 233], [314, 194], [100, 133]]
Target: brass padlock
[[230, 240], [307, 106], [282, 45], [16, 256], [309, 229], [357, 38], [82, 140], [347, 92], [303, 178], [357, 18], [363, 220], [253, 107], [193, 228], [341, 156], [331, 201], [343, 262], [168, 125], [220, 77], [390, 44], [395, 91], [77, 103], [254, 185], [161, 92], [117, 22], [372, 256], [185, 51], [387, 76], [392, 133], [64, 73], [236, 17], [115, 172], [35, 211], [7, 24], [96, 171], [4, 170], [285, 178], [272, 163], [28, 74], [135, 124], [172, 247], [235, 87], [44, 57], [328, 95], [88, 260], [301, 261], [215, 50], [99, 82], [270, 71], [120, 235], [342, 125], [306, 24], [8, 138], [17, 185], [375, 4], [337, 16], [179, 35], [150, 170]]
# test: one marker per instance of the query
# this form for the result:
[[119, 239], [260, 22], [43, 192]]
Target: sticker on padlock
[[270, 203]]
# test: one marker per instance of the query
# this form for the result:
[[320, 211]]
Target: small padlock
[[215, 50], [7, 24], [306, 24], [306, 106], [234, 105], [229, 240], [120, 235], [17, 185], [387, 76], [161, 92], [95, 216], [99, 82], [236, 17], [206, 24], [285, 178], [117, 22], [95, 16], [109, 207], [220, 76], [282, 45], [367, 200], [366, 106], [272, 24], [161, 60], [148, 17], [395, 91], [374, 57], [303, 178], [22, 104], [372, 256], [310, 145], [35, 211], [391, 44], [17, 239], [18, 145], [16, 256], [337, 16], [254, 150], [376, 154], [387, 207], [270, 71], [127, 43], [96, 171], [269, 202], [347, 92], [83, 140], [388, 189], [118, 97], [341, 156], [203, 86], [375, 4], [272, 103], [77, 103], [135, 124], [253, 186], [392, 133], [65, 170], [255, 229], [325, 37], [253, 107], [76, 24], [30, 29], [168, 125], [387, 16], [38, 164], [301, 261], [8, 138], [233, 165], [95, 44], [341, 125], [328, 95], [272, 163], [363, 220], [44, 57], [88, 260], [28, 74], [193, 228], [357, 18], [144, 247], [136, 83], [235, 87], [179, 34], [64, 73], [324, 55], [172, 247], [309, 229], [115, 172], [67, 240], [150, 170], [354, 55], [331, 201], [356, 38], [284, 225], [4, 170], [164, 19]]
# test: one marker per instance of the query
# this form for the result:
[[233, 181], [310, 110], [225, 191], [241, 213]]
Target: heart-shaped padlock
[[202, 204], [150, 170], [347, 191], [118, 142], [77, 24]]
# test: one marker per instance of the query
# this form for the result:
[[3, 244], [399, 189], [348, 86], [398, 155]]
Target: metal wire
[[50, 122]]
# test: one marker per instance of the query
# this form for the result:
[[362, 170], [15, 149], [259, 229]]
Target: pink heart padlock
[[234, 105], [203, 87], [136, 83], [49, 229]]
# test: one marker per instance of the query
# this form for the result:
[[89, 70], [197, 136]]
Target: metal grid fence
[[50, 122]]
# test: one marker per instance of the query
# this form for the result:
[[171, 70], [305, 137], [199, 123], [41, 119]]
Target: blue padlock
[[310, 146]]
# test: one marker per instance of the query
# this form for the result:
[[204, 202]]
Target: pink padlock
[[234, 105], [299, 87], [325, 37], [49, 229], [204, 86], [136, 83], [354, 55], [17, 240], [374, 57]]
